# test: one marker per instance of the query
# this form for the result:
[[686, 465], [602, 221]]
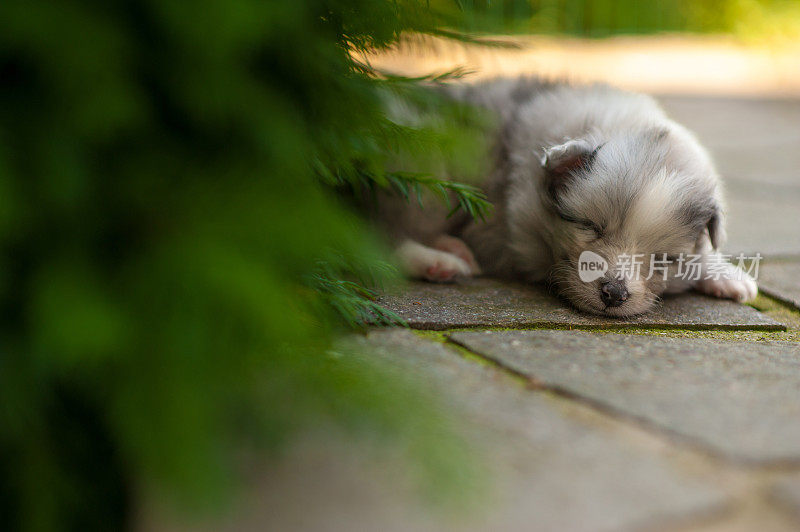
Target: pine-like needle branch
[[348, 291], [467, 197]]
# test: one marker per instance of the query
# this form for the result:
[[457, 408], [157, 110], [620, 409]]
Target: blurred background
[[180, 254]]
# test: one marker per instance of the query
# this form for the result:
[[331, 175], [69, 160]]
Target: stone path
[[488, 303], [555, 472], [730, 398], [710, 389], [687, 418]]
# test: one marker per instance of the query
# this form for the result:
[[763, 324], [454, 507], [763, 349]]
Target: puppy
[[581, 169]]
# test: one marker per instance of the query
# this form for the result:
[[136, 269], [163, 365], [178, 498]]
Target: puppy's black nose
[[613, 293]]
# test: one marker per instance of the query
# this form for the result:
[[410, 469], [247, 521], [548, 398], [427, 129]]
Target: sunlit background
[[736, 48]]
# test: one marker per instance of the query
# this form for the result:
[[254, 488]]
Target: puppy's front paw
[[431, 264], [457, 247], [446, 268], [741, 290]]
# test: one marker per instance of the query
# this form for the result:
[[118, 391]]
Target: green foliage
[[469, 198], [353, 301], [758, 21], [168, 229]]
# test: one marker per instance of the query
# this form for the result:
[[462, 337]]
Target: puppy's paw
[[431, 264], [446, 268], [741, 290], [457, 247]]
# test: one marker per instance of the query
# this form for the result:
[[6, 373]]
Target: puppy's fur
[[580, 168]]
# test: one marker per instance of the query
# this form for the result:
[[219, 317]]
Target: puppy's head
[[637, 203]]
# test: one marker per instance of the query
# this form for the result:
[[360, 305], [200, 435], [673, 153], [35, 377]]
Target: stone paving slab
[[556, 473], [490, 303], [781, 280], [762, 218], [736, 399]]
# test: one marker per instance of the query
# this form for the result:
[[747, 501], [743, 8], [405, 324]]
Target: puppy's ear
[[716, 229], [560, 160], [708, 219]]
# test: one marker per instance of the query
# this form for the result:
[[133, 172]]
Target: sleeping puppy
[[580, 169]]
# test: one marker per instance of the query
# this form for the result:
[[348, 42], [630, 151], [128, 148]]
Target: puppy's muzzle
[[613, 293]]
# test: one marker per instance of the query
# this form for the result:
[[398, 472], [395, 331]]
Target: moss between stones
[[438, 336], [443, 337], [777, 310]]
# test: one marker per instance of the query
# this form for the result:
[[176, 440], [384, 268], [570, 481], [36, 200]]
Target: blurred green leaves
[[754, 21], [175, 260]]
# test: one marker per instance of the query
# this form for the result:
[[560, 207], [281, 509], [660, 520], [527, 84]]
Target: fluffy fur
[[580, 168]]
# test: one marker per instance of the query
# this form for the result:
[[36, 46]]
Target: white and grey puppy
[[580, 168]]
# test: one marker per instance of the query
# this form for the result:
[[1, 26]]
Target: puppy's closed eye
[[597, 229]]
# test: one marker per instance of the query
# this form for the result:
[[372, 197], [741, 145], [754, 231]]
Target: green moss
[[444, 338], [467, 354], [775, 309], [438, 336]]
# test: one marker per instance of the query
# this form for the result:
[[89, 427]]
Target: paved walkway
[[684, 419], [711, 388], [714, 386]]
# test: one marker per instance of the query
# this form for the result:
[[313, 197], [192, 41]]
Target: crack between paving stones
[[436, 326], [776, 296], [694, 444]]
